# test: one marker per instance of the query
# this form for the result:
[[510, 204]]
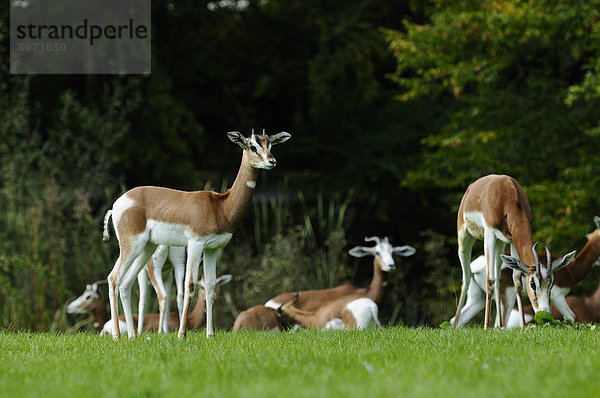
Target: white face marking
[[251, 184], [365, 312], [259, 157], [384, 251]]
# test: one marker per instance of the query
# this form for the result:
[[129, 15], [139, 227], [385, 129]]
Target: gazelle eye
[[253, 148], [532, 284]]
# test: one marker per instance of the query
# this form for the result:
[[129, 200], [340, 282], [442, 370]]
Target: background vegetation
[[394, 108]]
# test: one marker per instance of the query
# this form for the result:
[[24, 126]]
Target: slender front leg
[[519, 291], [155, 267], [195, 249], [177, 257], [210, 277], [517, 281], [142, 280]]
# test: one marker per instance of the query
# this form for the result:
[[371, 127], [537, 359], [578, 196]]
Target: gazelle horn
[[548, 257], [373, 239], [537, 259]]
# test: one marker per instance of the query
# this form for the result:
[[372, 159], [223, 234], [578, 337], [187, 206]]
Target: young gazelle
[[383, 262], [348, 312], [93, 301], [496, 210], [204, 221], [564, 280]]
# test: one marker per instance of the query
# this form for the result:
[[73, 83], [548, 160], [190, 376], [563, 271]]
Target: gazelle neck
[[584, 261], [376, 289], [238, 198], [520, 231], [100, 315]]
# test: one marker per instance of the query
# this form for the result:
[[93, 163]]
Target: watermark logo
[[80, 37]]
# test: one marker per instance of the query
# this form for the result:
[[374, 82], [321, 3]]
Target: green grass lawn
[[395, 361]]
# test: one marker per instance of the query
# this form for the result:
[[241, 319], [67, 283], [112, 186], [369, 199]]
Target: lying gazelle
[[496, 210], [564, 280], [258, 317], [93, 301], [383, 262], [204, 221], [348, 312], [585, 310], [261, 318]]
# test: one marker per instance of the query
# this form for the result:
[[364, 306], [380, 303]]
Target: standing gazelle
[[204, 221], [496, 210]]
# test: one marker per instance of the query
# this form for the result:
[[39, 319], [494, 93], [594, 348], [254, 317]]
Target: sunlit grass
[[395, 361]]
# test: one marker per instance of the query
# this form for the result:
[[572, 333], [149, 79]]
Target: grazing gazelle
[[564, 280], [585, 310], [204, 221], [496, 210]]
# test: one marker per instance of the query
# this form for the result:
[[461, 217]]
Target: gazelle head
[[88, 301], [222, 280], [383, 252], [540, 278], [258, 147]]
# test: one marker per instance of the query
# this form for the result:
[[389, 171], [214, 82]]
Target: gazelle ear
[[279, 138], [237, 138], [361, 251], [597, 221], [404, 251], [223, 279], [562, 262], [514, 263]]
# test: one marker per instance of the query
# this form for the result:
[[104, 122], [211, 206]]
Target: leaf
[[542, 317]]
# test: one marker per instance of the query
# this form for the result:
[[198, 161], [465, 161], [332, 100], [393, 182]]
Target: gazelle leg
[[142, 280], [113, 296], [517, 281], [489, 250], [561, 305], [475, 303], [128, 280], [465, 245], [210, 277], [155, 272], [177, 257], [499, 248], [195, 249]]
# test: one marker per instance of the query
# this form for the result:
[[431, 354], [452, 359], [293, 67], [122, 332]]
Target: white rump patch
[[365, 312], [251, 184], [272, 304]]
